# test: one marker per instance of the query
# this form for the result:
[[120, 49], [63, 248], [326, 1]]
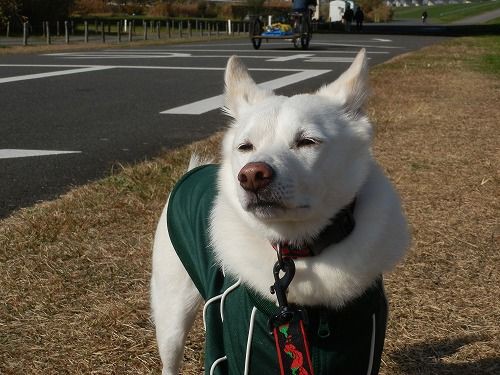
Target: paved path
[[480, 18]]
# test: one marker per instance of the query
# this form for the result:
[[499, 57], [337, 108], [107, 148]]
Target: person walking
[[424, 16], [359, 16], [347, 17]]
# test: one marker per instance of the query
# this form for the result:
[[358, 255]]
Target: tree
[[255, 6], [89, 6], [46, 10], [8, 10]]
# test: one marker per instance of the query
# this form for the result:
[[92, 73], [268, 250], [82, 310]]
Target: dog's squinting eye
[[304, 142], [247, 146]]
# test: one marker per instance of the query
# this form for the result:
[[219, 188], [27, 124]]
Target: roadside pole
[[66, 32], [25, 33], [47, 26]]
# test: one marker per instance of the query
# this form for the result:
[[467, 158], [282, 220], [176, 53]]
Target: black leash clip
[[286, 313], [281, 284]]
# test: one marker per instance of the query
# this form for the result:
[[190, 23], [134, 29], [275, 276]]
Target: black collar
[[341, 225]]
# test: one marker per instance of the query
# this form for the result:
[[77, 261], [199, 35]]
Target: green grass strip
[[446, 13]]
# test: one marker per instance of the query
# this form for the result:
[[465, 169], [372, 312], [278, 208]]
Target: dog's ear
[[241, 90], [350, 90]]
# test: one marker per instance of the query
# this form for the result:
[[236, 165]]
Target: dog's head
[[291, 163]]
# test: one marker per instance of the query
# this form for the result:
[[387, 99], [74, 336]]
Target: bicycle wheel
[[255, 31], [296, 23], [305, 32]]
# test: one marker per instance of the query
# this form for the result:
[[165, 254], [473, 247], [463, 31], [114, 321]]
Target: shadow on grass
[[427, 359]]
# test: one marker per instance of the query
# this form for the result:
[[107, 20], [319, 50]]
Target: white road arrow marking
[[53, 74], [209, 104], [9, 153]]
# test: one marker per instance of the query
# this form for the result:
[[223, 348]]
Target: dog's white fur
[[319, 146]]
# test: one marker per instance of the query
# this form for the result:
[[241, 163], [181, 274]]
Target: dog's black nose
[[255, 176]]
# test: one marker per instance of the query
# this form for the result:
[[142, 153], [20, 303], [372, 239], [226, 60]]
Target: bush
[[178, 9], [189, 9], [101, 7], [382, 13], [376, 10], [224, 11], [132, 9], [8, 9], [160, 10], [43, 10], [85, 7]]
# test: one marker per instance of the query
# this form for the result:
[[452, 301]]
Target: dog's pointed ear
[[240, 90], [351, 89]]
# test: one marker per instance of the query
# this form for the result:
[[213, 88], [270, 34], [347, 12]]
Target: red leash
[[287, 325], [293, 349]]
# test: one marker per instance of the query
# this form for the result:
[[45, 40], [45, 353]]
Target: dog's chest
[[345, 341], [348, 341]]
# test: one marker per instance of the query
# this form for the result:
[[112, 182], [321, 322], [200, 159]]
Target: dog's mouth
[[263, 207], [270, 204], [270, 208]]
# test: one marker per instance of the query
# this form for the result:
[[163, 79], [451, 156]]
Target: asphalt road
[[123, 106]]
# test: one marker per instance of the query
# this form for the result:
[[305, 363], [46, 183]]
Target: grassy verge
[[439, 142], [75, 271], [446, 13], [481, 54], [489, 62]]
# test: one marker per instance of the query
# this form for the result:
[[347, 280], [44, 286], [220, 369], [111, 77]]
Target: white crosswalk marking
[[331, 59], [10, 153], [205, 105], [291, 57], [52, 74]]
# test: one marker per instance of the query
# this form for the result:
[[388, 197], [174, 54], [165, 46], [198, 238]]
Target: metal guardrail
[[119, 31]]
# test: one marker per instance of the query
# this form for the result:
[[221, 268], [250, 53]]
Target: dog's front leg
[[174, 300]]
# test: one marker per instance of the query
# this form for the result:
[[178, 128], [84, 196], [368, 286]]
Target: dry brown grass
[[74, 295], [438, 139], [75, 271]]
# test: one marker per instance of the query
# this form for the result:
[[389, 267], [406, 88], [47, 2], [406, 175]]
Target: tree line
[[17, 12]]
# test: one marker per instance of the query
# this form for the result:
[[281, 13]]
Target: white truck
[[337, 8]]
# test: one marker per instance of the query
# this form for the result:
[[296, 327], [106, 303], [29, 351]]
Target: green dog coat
[[346, 341]]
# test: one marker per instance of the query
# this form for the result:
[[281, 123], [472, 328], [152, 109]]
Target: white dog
[[298, 178]]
